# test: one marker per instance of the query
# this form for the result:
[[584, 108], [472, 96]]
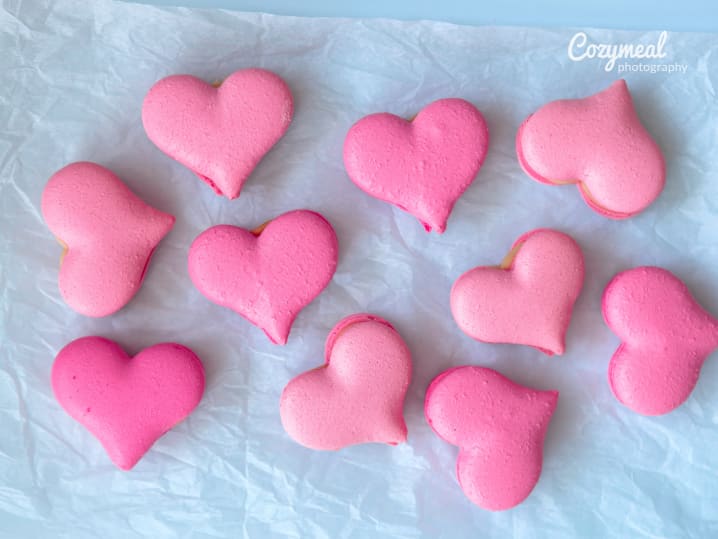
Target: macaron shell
[[421, 166], [499, 427], [528, 303], [598, 142], [127, 403], [268, 277], [358, 395], [109, 232], [221, 133], [666, 336]]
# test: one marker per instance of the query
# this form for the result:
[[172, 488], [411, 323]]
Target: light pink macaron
[[357, 396], [527, 299], [221, 132], [108, 233], [599, 143]]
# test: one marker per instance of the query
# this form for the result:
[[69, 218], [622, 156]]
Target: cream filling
[[65, 249], [508, 260], [257, 231]]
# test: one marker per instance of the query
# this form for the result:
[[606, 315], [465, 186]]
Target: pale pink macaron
[[499, 427], [527, 299], [598, 143], [108, 233], [422, 165], [269, 274], [126, 402], [357, 396], [666, 336], [221, 132]]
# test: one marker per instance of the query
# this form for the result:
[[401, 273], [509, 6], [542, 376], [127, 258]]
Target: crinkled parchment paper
[[72, 78]]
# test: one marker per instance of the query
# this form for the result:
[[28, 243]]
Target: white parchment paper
[[72, 78]]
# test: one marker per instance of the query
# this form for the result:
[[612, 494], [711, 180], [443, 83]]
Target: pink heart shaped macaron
[[422, 166], [499, 427], [267, 275], [665, 338], [126, 402], [220, 133], [598, 143], [358, 395], [528, 299], [109, 235]]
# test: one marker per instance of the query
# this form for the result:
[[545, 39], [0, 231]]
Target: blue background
[[685, 15]]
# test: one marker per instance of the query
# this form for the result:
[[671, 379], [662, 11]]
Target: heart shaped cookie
[[109, 235], [219, 132], [665, 338], [126, 402], [598, 143], [528, 299], [267, 275], [421, 166], [358, 395], [499, 427]]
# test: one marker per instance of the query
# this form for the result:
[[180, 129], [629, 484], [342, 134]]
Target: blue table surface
[[686, 15]]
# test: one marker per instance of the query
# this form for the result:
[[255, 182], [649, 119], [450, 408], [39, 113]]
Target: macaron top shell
[[423, 165], [268, 275], [357, 396], [221, 133], [600, 143], [665, 338], [499, 427], [126, 402], [109, 233], [528, 299]]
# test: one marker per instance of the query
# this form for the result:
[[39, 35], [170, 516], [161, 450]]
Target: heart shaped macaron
[[499, 427], [665, 338], [126, 402], [219, 132], [528, 299], [109, 235], [358, 395], [269, 274], [422, 166], [598, 143]]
